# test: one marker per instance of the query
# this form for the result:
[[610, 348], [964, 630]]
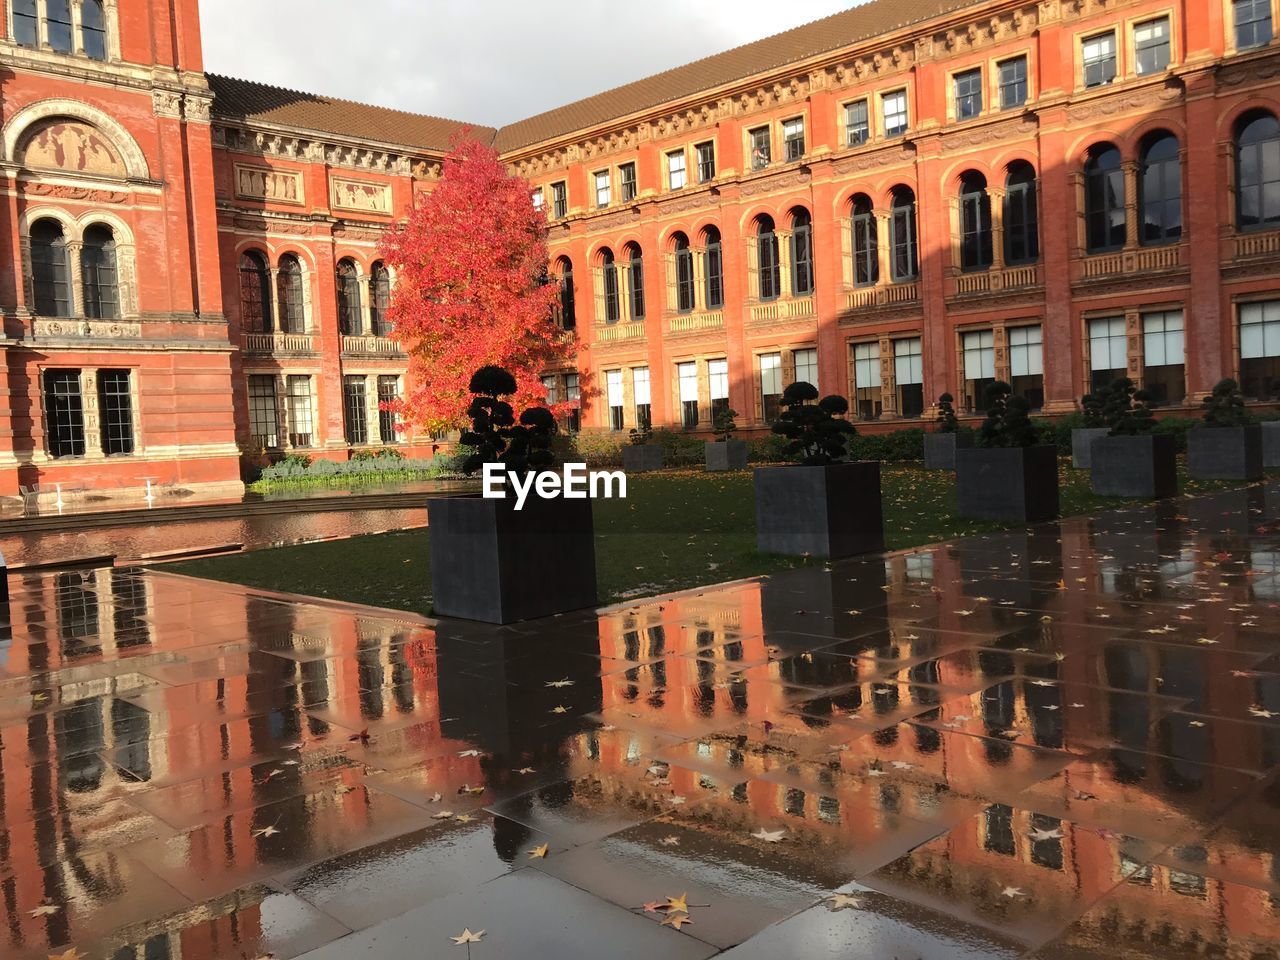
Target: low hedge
[[300, 470]]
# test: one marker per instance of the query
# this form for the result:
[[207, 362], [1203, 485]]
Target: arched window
[[635, 281], [568, 309], [381, 299], [1104, 214], [58, 24], [801, 253], [612, 305], [866, 255], [350, 321], [975, 222], [255, 293], [101, 274], [905, 262], [93, 29], [289, 293], [50, 270], [715, 269], [1160, 190], [1021, 217], [767, 259], [1258, 172], [685, 295]]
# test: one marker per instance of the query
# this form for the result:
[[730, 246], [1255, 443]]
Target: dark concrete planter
[[1225, 453], [831, 511], [493, 563], [726, 455], [1081, 444], [940, 449], [1271, 444], [643, 458], [1145, 466], [1013, 484]]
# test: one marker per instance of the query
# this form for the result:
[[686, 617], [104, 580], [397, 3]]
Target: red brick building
[[893, 202]]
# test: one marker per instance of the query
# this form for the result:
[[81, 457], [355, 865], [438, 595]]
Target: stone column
[[884, 246], [700, 278], [373, 424], [1000, 348], [77, 23], [623, 273], [1130, 168], [42, 23], [1135, 353], [785, 264], [888, 381], [277, 322], [74, 250], [92, 415], [366, 306], [282, 413], [997, 229]]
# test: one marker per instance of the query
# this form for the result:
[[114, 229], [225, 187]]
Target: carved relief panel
[[70, 145], [263, 183], [359, 195]]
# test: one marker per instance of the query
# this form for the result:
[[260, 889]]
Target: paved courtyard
[[1055, 744]]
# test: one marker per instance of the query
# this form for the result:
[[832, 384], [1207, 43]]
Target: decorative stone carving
[[197, 109], [345, 231], [1253, 72], [873, 161], [359, 195], [771, 184], [264, 183], [64, 192], [1137, 100], [70, 145], [167, 103], [994, 133], [274, 145], [95, 329]]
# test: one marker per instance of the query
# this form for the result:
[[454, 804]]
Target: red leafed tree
[[471, 289]]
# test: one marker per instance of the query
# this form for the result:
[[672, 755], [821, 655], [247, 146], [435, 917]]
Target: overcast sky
[[485, 61]]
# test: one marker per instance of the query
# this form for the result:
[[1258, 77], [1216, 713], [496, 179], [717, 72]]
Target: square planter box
[[940, 449], [643, 458], [727, 455], [493, 563], [1081, 444], [831, 511], [1014, 484], [1145, 466], [1225, 453], [1271, 444]]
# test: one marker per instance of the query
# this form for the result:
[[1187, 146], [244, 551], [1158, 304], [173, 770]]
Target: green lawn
[[675, 530]]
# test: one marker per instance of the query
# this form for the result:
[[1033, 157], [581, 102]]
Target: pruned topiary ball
[[800, 392], [492, 382]]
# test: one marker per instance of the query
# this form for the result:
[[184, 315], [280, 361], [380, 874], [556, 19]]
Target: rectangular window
[[999, 833], [264, 425], [1098, 55], [538, 200], [893, 106], [687, 374], [706, 161], [354, 410], [550, 384], [867, 401], [298, 409], [1253, 23], [968, 88], [1260, 350], [1108, 352], [761, 149], [58, 24], [1151, 46], [677, 176], [604, 189], [613, 392], [807, 367], [1013, 83], [115, 408], [572, 394], [1164, 356], [1026, 364], [979, 350], [718, 381], [560, 200], [793, 139], [26, 23], [908, 365], [627, 181], [643, 397], [857, 126], [64, 413], [771, 385], [389, 392]]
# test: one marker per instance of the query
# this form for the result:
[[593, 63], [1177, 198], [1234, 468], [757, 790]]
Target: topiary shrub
[[725, 424], [947, 422], [496, 436], [1092, 406], [816, 435], [1224, 407], [1127, 410], [641, 435], [1008, 422]]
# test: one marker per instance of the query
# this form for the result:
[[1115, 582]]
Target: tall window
[[264, 427], [609, 279], [255, 292], [1151, 46], [866, 258], [718, 382], [975, 223], [767, 254], [715, 270], [968, 91], [550, 383], [807, 366], [1108, 353], [350, 321], [866, 380], [1098, 54], [908, 368], [1164, 354], [388, 393], [58, 24], [677, 175], [999, 833], [568, 309], [706, 161], [635, 281], [49, 268], [381, 299], [1104, 213], [685, 297], [1160, 190], [297, 408], [905, 261], [1026, 364], [26, 23], [1258, 172], [115, 411], [1253, 23], [538, 199], [614, 395], [560, 200], [643, 395], [627, 181], [289, 292], [1260, 350], [979, 350], [893, 107], [687, 377], [573, 394], [93, 29], [857, 124], [1021, 218], [64, 413], [355, 411], [771, 385], [802, 281], [604, 188], [761, 148], [793, 139], [1013, 83]]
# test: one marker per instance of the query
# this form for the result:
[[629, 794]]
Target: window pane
[[1151, 46], [760, 148], [389, 392], [675, 170], [640, 385], [968, 92], [50, 270], [908, 361], [718, 375], [856, 123], [1013, 83], [603, 190], [115, 405], [58, 22], [64, 413], [807, 366], [263, 426], [93, 26], [354, 408], [771, 373], [895, 113]]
